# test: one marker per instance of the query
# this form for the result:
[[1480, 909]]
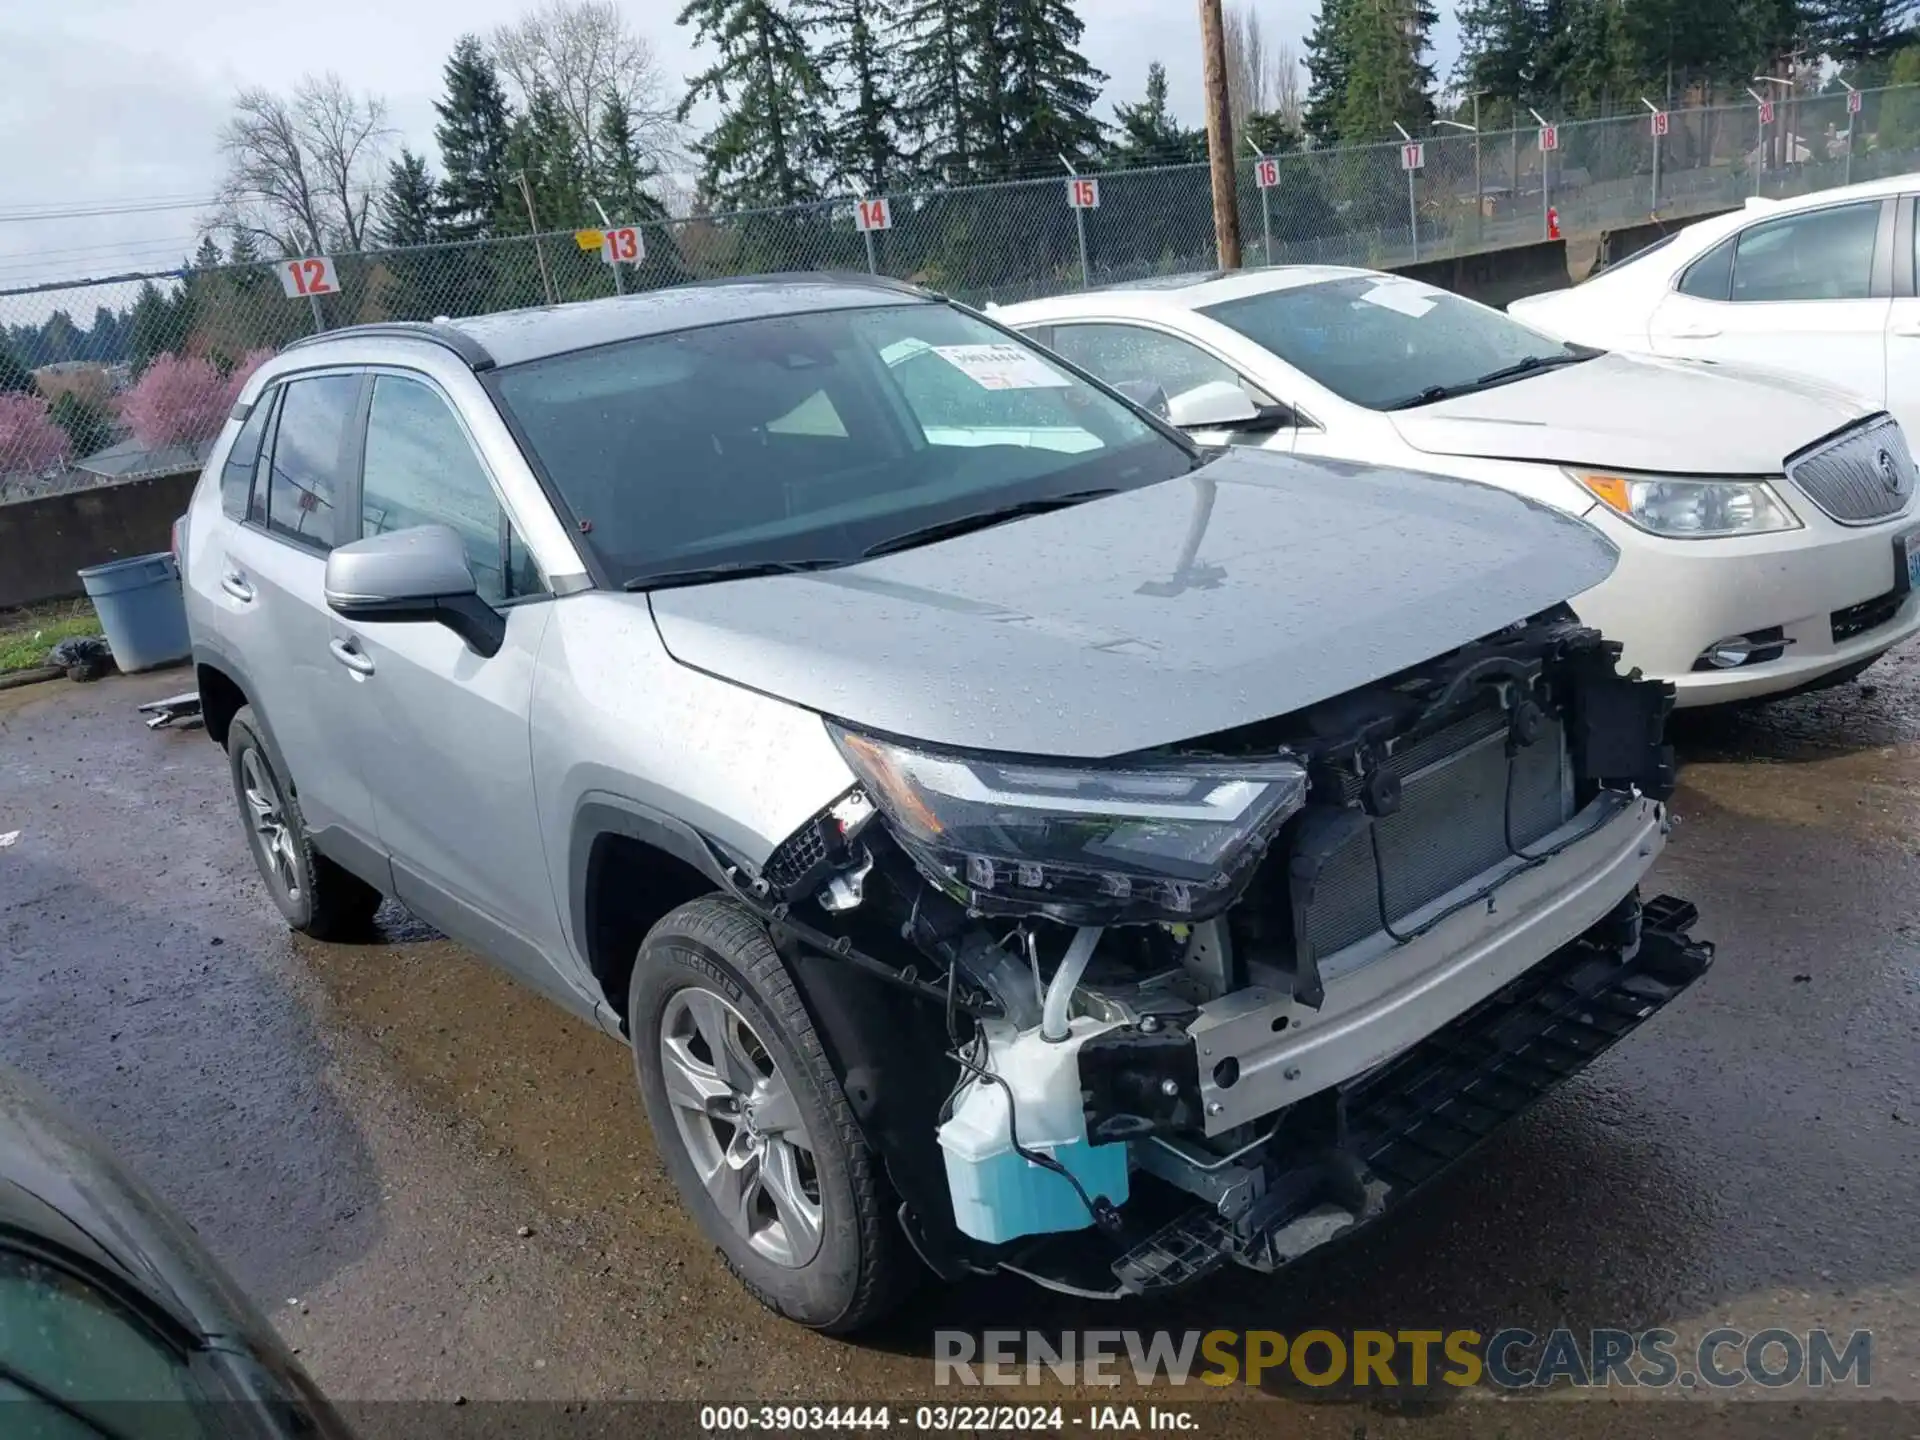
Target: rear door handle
[[1906, 330], [1695, 332], [235, 584], [351, 656]]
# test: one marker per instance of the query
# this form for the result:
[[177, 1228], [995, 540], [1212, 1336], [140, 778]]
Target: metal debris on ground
[[181, 709]]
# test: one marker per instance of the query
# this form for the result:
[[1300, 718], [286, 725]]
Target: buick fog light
[[1082, 842], [1757, 648]]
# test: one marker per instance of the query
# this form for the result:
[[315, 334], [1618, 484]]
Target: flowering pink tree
[[180, 400], [249, 362], [29, 440]]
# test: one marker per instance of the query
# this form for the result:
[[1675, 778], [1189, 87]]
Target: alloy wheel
[[272, 835], [741, 1125]]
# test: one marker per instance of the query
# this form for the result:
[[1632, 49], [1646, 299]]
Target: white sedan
[[1766, 526], [1820, 286]]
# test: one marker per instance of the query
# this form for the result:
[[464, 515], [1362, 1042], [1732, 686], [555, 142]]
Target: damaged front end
[[1111, 1024]]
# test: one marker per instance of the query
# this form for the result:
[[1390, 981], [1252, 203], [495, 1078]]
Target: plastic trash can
[[141, 609]]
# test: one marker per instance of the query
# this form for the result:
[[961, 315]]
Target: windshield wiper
[[728, 570], [981, 520], [1527, 365]]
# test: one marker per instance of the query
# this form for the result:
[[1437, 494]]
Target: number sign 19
[[1660, 122], [623, 245], [874, 214], [1083, 193], [311, 275]]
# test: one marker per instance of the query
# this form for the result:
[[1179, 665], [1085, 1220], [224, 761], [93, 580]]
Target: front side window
[[813, 437], [236, 476], [1132, 354], [1386, 343], [420, 469], [1820, 255], [310, 458]]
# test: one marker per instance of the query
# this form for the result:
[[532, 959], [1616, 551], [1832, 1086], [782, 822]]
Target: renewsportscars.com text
[[1510, 1359]]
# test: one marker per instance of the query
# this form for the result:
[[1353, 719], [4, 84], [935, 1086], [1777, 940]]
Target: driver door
[[444, 733]]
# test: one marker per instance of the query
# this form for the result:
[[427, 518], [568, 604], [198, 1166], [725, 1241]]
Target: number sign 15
[[1083, 193], [312, 275]]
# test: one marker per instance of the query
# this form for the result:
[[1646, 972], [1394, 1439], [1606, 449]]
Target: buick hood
[[1253, 587], [1638, 413]]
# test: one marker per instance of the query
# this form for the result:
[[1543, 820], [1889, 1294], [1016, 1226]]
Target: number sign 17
[[311, 275]]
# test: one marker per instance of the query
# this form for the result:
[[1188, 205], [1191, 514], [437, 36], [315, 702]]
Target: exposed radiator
[[1450, 826]]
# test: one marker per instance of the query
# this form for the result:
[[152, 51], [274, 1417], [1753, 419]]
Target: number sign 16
[[1266, 174], [312, 275], [623, 246]]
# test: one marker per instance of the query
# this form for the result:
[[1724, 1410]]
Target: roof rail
[[789, 277], [445, 336]]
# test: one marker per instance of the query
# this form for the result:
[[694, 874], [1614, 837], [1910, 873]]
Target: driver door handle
[[351, 656], [1906, 329], [1695, 332], [235, 584]]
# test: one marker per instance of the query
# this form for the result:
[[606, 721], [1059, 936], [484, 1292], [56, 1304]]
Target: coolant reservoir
[[997, 1194]]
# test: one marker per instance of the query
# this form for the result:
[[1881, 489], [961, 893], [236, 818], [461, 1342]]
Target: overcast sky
[[121, 101]]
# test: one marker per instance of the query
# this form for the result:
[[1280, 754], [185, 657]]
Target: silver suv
[[1006, 834]]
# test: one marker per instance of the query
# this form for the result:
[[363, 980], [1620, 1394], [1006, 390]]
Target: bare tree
[[584, 54], [1247, 76], [302, 170], [1289, 97]]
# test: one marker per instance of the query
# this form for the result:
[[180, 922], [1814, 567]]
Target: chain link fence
[[102, 381]]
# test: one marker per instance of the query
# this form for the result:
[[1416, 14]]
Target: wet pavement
[[440, 1186]]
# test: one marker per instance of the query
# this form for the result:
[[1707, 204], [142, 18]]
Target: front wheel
[[753, 1126]]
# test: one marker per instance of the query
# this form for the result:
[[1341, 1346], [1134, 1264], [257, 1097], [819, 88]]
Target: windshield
[[811, 438], [1384, 342]]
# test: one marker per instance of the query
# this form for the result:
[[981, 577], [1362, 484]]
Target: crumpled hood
[[1635, 412], [1256, 586]]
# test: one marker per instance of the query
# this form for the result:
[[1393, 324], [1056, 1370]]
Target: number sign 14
[[310, 275], [875, 214]]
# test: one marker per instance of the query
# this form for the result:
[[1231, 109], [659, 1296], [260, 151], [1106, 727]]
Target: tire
[[317, 897], [711, 964]]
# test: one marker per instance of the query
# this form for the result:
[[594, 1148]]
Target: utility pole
[[1226, 197]]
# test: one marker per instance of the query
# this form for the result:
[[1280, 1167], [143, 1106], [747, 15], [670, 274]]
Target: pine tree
[[1388, 81], [15, 377], [1149, 134], [864, 142], [473, 133], [937, 98], [1045, 89], [1328, 62], [1856, 32], [624, 172], [1500, 42], [407, 205], [770, 143], [543, 149]]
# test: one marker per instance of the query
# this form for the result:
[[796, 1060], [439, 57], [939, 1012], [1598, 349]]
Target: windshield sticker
[[1002, 367], [1403, 297]]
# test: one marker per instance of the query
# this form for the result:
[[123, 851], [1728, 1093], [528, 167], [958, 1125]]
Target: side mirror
[[1216, 405], [1148, 395], [414, 575]]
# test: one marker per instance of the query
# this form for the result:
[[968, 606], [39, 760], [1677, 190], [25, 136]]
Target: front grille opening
[[1861, 477], [1867, 615]]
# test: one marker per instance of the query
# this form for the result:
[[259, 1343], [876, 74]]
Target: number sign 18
[[311, 275]]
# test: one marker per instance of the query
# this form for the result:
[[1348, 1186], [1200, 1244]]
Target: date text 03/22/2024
[[930, 1419]]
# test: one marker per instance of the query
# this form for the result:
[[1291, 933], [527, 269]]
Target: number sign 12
[[311, 275]]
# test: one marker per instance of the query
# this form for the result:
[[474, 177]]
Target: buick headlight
[[1685, 509], [1083, 842]]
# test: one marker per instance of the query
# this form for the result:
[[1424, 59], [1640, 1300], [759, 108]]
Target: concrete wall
[[44, 542], [1496, 277], [1617, 245]]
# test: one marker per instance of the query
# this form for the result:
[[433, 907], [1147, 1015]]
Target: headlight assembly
[[1690, 509], [1083, 842]]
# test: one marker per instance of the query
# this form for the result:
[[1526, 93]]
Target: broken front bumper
[[1382, 996], [1346, 1156]]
